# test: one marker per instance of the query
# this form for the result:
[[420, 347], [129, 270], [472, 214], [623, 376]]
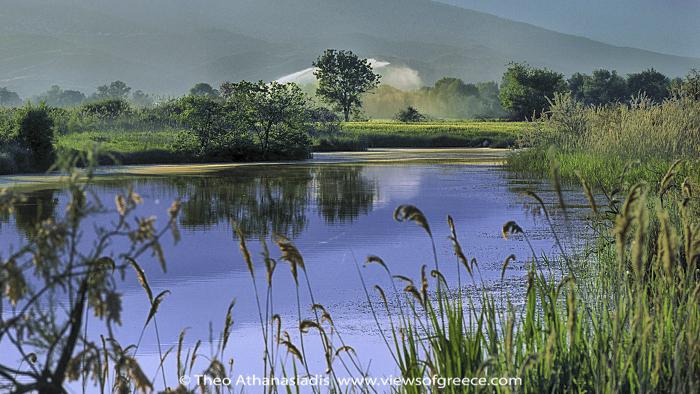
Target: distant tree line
[[526, 91]]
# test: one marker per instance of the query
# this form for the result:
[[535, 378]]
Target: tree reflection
[[35, 207], [343, 193], [261, 199]]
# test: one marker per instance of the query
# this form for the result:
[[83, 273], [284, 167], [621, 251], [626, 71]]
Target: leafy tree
[[650, 82], [215, 124], [451, 87], [576, 83], [34, 130], [690, 85], [57, 97], [342, 78], [115, 90], [9, 98], [526, 90], [409, 115], [141, 99], [604, 87], [323, 121], [204, 89], [275, 113], [107, 108]]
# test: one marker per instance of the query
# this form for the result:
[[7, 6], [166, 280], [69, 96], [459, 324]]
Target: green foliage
[[409, 115], [638, 140], [433, 134], [57, 97], [690, 85], [34, 131], [141, 99], [275, 114], [649, 82], [606, 87], [218, 126], [9, 98], [110, 108], [525, 90], [449, 98], [116, 90], [342, 79], [204, 89]]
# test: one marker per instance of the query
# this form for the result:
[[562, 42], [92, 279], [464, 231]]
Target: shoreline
[[372, 156]]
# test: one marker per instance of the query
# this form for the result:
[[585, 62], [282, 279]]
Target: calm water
[[338, 210]]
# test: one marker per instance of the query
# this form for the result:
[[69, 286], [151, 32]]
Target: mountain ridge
[[165, 46]]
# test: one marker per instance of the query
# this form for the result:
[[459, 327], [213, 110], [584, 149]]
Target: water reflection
[[262, 200]]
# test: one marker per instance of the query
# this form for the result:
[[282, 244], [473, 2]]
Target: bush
[[409, 115], [15, 159], [34, 131], [108, 108]]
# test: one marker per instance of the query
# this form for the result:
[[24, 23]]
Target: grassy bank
[[127, 147], [153, 147], [612, 144], [435, 134]]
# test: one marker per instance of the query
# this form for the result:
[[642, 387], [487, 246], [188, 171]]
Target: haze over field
[[165, 46]]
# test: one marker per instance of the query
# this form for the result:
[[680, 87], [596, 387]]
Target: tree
[[650, 82], [342, 78], [204, 89], [526, 90], [604, 87], [275, 113], [576, 83], [34, 131], [57, 97], [690, 85], [213, 123], [115, 90], [107, 108], [141, 99], [409, 115], [9, 98]]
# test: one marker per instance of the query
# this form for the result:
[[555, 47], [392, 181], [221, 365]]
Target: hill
[[165, 46]]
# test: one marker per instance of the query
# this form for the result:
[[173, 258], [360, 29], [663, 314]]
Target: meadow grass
[[634, 142], [125, 147], [432, 134], [154, 147]]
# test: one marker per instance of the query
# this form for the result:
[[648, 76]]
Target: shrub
[[107, 108], [409, 115], [34, 131]]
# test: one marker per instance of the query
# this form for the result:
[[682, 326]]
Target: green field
[[438, 134], [143, 147], [128, 147]]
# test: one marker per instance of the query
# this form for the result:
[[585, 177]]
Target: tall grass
[[636, 141], [433, 134], [620, 316]]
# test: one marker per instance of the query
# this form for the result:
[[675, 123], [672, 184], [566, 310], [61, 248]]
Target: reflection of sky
[[206, 270]]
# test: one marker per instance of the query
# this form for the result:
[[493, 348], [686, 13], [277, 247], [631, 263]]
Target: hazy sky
[[668, 26]]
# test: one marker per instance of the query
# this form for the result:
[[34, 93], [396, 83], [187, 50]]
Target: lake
[[337, 209]]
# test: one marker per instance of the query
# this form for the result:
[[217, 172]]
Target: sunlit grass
[[433, 134]]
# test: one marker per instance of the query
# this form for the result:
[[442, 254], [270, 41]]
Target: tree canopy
[[342, 79], [525, 91]]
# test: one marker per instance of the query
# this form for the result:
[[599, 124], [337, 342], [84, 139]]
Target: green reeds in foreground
[[628, 322], [620, 317]]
